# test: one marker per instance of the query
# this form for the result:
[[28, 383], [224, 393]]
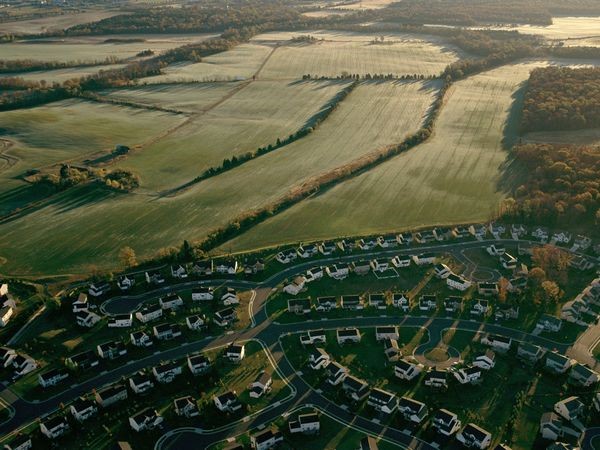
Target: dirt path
[[6, 160]]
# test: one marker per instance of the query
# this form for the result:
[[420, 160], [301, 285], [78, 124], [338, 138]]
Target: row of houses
[[7, 305], [20, 363], [580, 309]]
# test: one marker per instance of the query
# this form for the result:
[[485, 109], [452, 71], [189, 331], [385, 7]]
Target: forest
[[562, 186], [562, 98]]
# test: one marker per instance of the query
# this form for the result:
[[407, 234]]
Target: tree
[[554, 261], [537, 276], [127, 257], [552, 291], [187, 251]]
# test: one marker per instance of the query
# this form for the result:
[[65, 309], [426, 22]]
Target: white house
[[478, 231], [261, 385], [7, 355], [474, 436], [149, 313], [111, 350], [507, 261], [155, 278], [487, 289], [195, 322], [298, 306], [225, 317], [202, 293], [6, 312], [287, 256], [140, 339], [166, 331], [549, 323], [445, 422], [352, 302], [81, 304], [23, 364], [498, 343], [401, 300], [582, 375], [361, 267], [325, 304], [230, 297], [82, 361], [380, 265], [125, 282], [486, 361], [140, 383], [227, 266], [203, 268], [468, 375], [337, 271], [318, 359], [186, 407], [424, 259], [388, 241], [82, 409], [452, 304], [401, 261], [412, 410], [313, 337], [386, 332], [382, 401], [179, 272], [406, 370], [441, 271], [166, 372], [99, 289], [377, 300], [120, 321], [227, 402], [19, 442], [147, 419], [355, 388], [110, 395], [235, 352], [87, 319], [436, 378], [480, 307], [557, 363], [367, 243], [170, 301], [496, 250], [305, 424], [348, 335], [336, 373], [296, 286], [307, 251], [314, 274], [427, 303], [198, 364], [266, 439], [327, 247], [52, 377], [457, 282], [530, 352], [570, 408], [54, 427]]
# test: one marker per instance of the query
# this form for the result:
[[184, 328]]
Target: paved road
[[269, 332]]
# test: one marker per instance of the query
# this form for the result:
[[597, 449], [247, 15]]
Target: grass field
[[85, 49], [574, 30], [255, 116], [62, 75], [239, 63], [147, 223], [454, 177], [54, 23], [579, 137], [67, 130]]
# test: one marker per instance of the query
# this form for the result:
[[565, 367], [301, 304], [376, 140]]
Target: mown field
[[84, 218], [255, 116], [62, 75], [454, 177]]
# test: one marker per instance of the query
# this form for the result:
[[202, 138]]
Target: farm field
[[454, 177], [53, 23], [237, 64], [90, 50], [147, 223], [67, 130], [580, 137], [62, 75], [255, 116], [571, 29]]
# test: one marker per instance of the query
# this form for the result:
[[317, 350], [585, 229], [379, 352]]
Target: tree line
[[562, 98], [69, 176], [561, 188]]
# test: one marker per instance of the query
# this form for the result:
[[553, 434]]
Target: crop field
[[189, 97], [89, 50], [454, 177], [254, 116], [85, 217], [579, 137], [52, 23], [67, 130], [566, 28], [239, 63], [62, 75]]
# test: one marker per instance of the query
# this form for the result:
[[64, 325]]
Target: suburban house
[[367, 243], [557, 363], [111, 395], [361, 267], [486, 361], [198, 364], [401, 261], [424, 258], [452, 304], [261, 385], [120, 321], [313, 337], [305, 423], [386, 332], [474, 436], [166, 331], [461, 232], [86, 319], [155, 278], [570, 408], [186, 407], [170, 301], [179, 272], [351, 302], [149, 313], [377, 301], [82, 409], [111, 350], [225, 317], [336, 373], [314, 274], [427, 303], [203, 267], [140, 339], [496, 250], [457, 282], [406, 370], [552, 427], [318, 358], [401, 300], [52, 377], [468, 375], [380, 265], [81, 304], [202, 293], [307, 251], [516, 284], [195, 322], [497, 229], [498, 343], [549, 323], [517, 231], [299, 306], [530, 353], [479, 307], [166, 372], [327, 247], [140, 383], [441, 271], [412, 410], [561, 237], [405, 238], [382, 401], [391, 350], [147, 419], [54, 427], [424, 237], [507, 261], [581, 263], [235, 352], [266, 439], [295, 286], [23, 364], [19, 442], [230, 297], [99, 289], [487, 289], [348, 335], [445, 422], [287, 256], [387, 241], [436, 378], [227, 266], [478, 231], [355, 388], [7, 355], [337, 271], [82, 361], [227, 402], [506, 311], [125, 282], [325, 304], [582, 375], [442, 234]]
